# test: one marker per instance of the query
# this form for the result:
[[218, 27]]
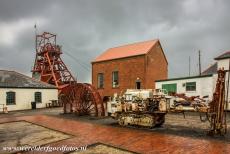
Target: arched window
[[10, 98], [38, 97]]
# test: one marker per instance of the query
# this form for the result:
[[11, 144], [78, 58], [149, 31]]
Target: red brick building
[[130, 66]]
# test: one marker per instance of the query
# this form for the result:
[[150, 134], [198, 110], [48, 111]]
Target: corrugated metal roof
[[211, 70], [129, 50], [12, 79], [223, 56]]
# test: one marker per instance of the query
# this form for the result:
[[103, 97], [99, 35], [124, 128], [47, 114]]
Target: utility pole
[[35, 33], [199, 64], [189, 65], [228, 72]]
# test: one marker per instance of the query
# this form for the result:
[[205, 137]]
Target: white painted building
[[203, 85], [191, 86], [17, 91]]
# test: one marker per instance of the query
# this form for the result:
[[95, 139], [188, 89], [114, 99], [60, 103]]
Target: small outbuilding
[[192, 86], [129, 66], [17, 91], [202, 85]]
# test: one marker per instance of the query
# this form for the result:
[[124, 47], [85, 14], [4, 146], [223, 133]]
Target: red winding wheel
[[83, 99]]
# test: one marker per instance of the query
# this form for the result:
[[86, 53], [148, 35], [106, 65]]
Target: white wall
[[204, 86], [24, 97], [223, 63]]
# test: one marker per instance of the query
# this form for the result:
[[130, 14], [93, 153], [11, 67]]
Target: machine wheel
[[160, 120], [121, 120], [84, 100]]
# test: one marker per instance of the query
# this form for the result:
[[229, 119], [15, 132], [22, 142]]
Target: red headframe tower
[[80, 98], [48, 66]]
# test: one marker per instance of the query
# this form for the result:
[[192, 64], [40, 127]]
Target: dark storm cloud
[[15, 9], [87, 28]]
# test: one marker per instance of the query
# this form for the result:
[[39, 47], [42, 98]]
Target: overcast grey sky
[[86, 28]]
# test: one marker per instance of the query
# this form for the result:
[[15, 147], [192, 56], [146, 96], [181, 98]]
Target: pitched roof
[[12, 79], [211, 70], [129, 50], [223, 56]]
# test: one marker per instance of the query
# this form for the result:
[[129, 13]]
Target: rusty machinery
[[217, 106], [148, 107], [139, 107], [80, 98]]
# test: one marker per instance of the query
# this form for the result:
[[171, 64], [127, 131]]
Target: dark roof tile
[[12, 79], [211, 70]]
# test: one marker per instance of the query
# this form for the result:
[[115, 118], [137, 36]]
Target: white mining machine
[[139, 107], [147, 107]]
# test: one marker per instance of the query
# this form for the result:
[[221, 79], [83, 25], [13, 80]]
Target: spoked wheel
[[96, 99], [85, 103], [88, 108], [85, 99]]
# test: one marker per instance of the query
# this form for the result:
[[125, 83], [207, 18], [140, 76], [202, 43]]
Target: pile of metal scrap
[[181, 102]]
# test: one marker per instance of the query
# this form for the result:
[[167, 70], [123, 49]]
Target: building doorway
[[138, 84]]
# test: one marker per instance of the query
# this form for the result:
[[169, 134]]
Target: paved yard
[[22, 133], [178, 135]]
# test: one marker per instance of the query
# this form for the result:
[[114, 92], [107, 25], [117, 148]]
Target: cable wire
[[83, 65]]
